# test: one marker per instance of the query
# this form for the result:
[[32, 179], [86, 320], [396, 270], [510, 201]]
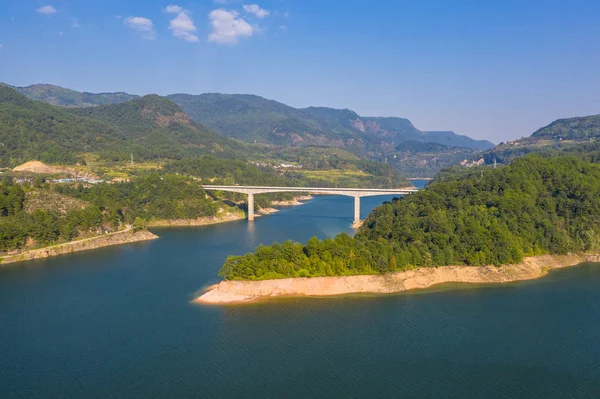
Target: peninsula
[[233, 291], [487, 226]]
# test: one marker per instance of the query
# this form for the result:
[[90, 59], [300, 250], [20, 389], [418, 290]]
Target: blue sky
[[490, 69]]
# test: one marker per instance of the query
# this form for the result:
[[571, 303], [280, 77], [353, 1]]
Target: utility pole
[[131, 157]]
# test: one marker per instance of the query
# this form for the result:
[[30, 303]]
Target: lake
[[118, 322]]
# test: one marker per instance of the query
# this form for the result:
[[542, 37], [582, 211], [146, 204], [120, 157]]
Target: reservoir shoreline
[[117, 238], [228, 292], [129, 236]]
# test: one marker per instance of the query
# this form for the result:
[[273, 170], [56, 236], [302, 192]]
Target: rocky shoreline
[[203, 221], [531, 268], [106, 240]]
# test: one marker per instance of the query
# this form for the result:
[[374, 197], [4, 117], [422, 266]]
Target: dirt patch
[[38, 167], [52, 202]]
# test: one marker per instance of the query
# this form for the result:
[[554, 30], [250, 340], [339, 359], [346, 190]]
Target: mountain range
[[256, 119], [61, 124], [568, 135]]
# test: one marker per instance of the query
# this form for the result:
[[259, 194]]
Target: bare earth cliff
[[531, 268]]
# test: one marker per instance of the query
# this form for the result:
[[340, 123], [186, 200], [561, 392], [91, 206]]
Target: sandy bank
[[117, 238], [530, 268], [295, 201]]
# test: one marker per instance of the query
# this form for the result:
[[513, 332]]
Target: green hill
[[560, 135], [256, 119], [149, 127], [35, 130], [60, 96], [534, 206], [159, 128], [579, 128], [451, 139]]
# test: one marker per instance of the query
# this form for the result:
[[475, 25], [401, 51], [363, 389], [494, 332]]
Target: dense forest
[[537, 205], [97, 208], [34, 130]]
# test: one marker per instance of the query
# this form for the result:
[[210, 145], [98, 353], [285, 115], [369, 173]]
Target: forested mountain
[[534, 206], [155, 128], [256, 119], [35, 130], [451, 139], [60, 96], [580, 128], [253, 118], [150, 127], [561, 134], [159, 128]]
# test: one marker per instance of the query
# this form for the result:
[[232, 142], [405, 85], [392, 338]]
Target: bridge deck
[[336, 190], [350, 192]]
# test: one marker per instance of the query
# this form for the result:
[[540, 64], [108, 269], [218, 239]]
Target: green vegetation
[[416, 159], [366, 174], [157, 128], [96, 208], [257, 119], [150, 127], [154, 128], [580, 128], [34, 130], [534, 206], [562, 135], [356, 173]]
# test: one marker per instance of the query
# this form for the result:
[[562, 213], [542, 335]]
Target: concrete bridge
[[349, 192]]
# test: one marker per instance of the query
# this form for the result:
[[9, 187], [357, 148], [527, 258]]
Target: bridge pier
[[250, 206], [356, 211]]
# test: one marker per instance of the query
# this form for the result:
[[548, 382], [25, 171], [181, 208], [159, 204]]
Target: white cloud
[[283, 27], [182, 25], [142, 25], [228, 27], [171, 8], [286, 14], [256, 10], [46, 10], [75, 23], [60, 34], [1, 45]]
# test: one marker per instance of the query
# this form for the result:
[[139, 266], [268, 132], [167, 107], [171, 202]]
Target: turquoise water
[[117, 322]]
